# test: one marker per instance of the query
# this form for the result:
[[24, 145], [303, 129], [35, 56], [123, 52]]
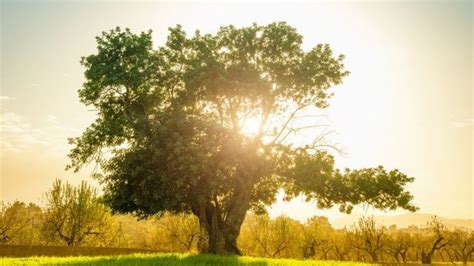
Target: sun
[[250, 127]]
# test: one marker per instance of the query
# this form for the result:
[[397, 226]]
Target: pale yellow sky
[[407, 103]]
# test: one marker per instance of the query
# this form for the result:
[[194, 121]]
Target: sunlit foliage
[[170, 133], [74, 214]]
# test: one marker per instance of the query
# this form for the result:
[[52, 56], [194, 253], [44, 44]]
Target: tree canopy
[[169, 128], [74, 213]]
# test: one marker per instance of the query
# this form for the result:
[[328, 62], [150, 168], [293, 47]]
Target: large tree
[[171, 132]]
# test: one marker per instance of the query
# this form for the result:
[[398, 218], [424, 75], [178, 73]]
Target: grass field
[[166, 259]]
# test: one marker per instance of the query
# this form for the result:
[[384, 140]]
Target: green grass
[[167, 259]]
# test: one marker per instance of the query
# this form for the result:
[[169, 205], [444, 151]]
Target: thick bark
[[218, 234], [220, 225]]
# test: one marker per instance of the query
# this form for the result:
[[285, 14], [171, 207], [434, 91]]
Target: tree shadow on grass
[[169, 259]]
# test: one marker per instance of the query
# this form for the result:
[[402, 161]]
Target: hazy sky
[[408, 103]]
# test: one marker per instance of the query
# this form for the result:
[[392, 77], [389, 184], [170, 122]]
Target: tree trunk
[[218, 239], [325, 254], [465, 258], [375, 257], [219, 235], [309, 250], [425, 258], [396, 258], [404, 257]]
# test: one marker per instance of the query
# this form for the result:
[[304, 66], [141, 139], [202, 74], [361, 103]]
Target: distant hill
[[405, 220]]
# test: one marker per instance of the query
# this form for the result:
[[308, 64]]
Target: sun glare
[[250, 127]]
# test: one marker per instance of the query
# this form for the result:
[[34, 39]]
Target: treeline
[[364, 241], [74, 216]]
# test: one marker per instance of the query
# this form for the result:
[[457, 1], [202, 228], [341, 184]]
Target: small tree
[[369, 237], [74, 213], [398, 245], [277, 237], [461, 244], [17, 221], [178, 231], [246, 240], [316, 235], [130, 232], [341, 244], [433, 239]]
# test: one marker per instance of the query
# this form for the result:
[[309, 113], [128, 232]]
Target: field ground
[[22, 251], [167, 259]]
